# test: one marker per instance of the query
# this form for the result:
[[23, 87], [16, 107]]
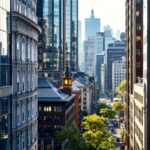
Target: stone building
[[24, 74]]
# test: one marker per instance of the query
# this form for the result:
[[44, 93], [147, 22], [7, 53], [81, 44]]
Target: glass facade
[[74, 48], [49, 54], [68, 31], [4, 43], [58, 41]]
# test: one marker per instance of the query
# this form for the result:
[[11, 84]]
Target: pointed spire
[[92, 14], [67, 71]]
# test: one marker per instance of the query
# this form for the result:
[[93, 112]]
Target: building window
[[23, 82], [57, 108], [18, 81], [138, 27], [137, 13], [84, 107], [138, 38], [138, 52], [29, 47], [84, 103], [23, 49], [18, 142], [47, 109], [138, 65], [18, 48]]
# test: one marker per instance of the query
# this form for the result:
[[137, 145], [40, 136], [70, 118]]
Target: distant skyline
[[109, 11]]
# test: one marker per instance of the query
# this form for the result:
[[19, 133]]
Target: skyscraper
[[92, 25], [114, 52], [80, 47], [5, 76], [99, 62], [90, 56], [93, 47], [58, 42], [24, 74], [138, 77], [118, 73]]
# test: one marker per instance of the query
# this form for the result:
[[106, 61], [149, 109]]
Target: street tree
[[118, 106], [121, 133], [121, 89], [96, 135], [101, 106], [107, 113], [71, 139]]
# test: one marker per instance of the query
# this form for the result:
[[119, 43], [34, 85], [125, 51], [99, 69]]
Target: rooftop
[[47, 92]]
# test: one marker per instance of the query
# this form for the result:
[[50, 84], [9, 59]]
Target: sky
[[110, 12]]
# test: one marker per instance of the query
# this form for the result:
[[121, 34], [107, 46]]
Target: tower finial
[[92, 13]]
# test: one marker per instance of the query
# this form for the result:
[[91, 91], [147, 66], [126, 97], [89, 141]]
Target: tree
[[121, 89], [96, 135], [122, 133], [71, 137], [118, 107], [101, 106], [107, 112]]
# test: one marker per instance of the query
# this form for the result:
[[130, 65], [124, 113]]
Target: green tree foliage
[[96, 135], [122, 133], [101, 106], [118, 107], [121, 89], [71, 137], [107, 112]]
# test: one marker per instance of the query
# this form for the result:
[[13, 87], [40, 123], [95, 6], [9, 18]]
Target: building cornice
[[26, 19]]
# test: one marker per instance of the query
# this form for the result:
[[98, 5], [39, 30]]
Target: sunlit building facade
[[138, 78], [58, 42], [5, 76], [114, 52], [118, 73]]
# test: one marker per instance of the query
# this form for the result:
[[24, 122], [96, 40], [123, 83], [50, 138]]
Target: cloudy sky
[[111, 12]]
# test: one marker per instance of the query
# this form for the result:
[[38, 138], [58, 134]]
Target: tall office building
[[108, 31], [5, 76], [58, 42], [24, 75], [103, 79], [108, 34], [99, 62], [114, 52], [118, 73], [80, 47], [92, 25], [90, 56], [93, 47], [138, 77]]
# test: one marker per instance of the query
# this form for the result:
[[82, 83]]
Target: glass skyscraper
[[92, 25], [58, 40], [5, 88]]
